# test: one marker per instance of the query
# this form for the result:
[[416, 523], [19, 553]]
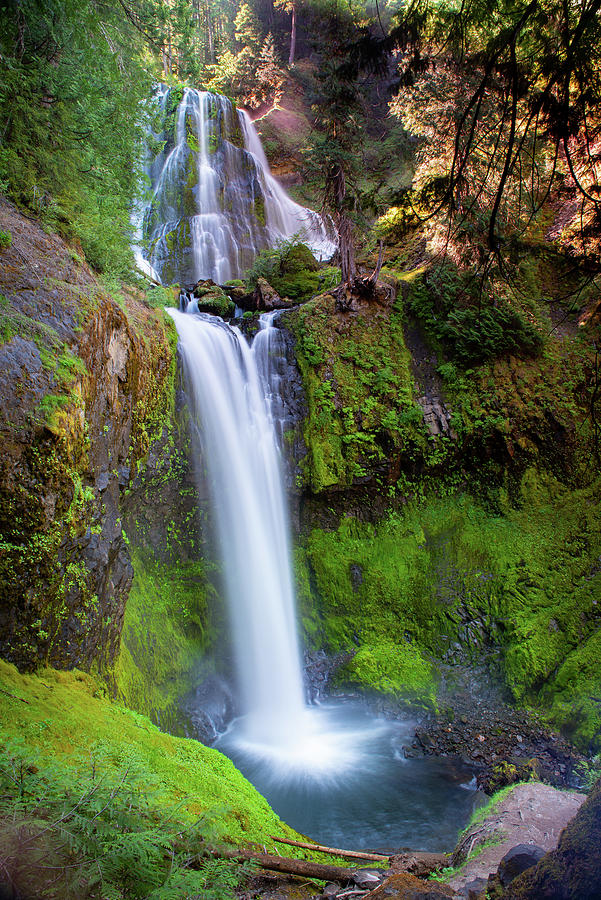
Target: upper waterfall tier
[[214, 203]]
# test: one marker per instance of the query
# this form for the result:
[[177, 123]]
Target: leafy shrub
[[158, 297], [6, 239], [290, 268]]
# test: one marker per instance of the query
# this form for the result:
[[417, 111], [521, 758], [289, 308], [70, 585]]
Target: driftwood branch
[[350, 854], [304, 867]]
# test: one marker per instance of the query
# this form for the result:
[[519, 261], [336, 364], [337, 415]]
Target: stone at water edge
[[267, 298], [517, 860], [368, 878], [573, 870], [212, 299]]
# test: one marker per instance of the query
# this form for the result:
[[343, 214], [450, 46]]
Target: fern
[[75, 834]]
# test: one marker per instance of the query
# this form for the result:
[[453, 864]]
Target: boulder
[[573, 870], [240, 296], [517, 860], [212, 299], [266, 298], [368, 878]]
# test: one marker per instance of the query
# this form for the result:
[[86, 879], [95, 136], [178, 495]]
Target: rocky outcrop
[[86, 386], [529, 814], [573, 870], [266, 298], [211, 298]]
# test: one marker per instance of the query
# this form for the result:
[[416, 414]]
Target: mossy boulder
[[298, 258], [213, 299], [266, 298], [395, 668]]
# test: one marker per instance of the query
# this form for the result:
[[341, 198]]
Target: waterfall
[[213, 203], [228, 393]]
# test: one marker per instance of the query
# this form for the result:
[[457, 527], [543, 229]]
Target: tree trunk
[[346, 247], [210, 33], [292, 35]]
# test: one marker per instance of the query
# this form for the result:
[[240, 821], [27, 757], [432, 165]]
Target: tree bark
[[346, 247], [292, 35]]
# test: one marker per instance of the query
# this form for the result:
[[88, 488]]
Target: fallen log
[[350, 854], [304, 867]]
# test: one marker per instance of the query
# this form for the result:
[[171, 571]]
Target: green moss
[[66, 719], [521, 587], [298, 258], [260, 209], [155, 383], [169, 123], [396, 669], [359, 387], [212, 299], [166, 630]]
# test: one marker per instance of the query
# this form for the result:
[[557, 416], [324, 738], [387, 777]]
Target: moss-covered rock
[[361, 414], [87, 385], [449, 579], [64, 719], [165, 635], [213, 299], [397, 669]]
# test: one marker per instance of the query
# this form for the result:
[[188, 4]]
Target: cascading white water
[[232, 395], [335, 771], [228, 405], [213, 203]]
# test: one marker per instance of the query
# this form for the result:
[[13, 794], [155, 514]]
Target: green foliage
[[64, 98], [469, 333], [158, 297], [589, 772], [6, 240], [290, 268], [97, 824], [63, 718]]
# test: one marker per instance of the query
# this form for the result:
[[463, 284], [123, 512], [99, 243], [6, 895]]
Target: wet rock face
[[292, 407], [82, 384]]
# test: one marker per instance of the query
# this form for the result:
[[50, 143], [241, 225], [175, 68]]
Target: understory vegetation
[[98, 802]]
